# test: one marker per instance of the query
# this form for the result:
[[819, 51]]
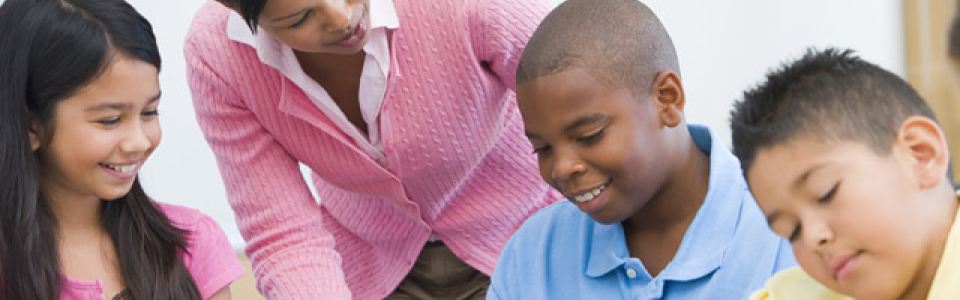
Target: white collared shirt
[[373, 77]]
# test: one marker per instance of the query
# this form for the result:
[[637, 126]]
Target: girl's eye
[[109, 121], [154, 112]]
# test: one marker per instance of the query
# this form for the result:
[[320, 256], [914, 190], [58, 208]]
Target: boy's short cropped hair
[[830, 95], [953, 35], [621, 43]]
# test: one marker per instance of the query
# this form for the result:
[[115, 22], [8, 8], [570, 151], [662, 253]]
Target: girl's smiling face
[[101, 135]]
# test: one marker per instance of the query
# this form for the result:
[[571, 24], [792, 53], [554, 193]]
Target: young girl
[[79, 93]]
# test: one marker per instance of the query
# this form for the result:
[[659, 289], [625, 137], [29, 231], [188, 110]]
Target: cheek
[[544, 166], [812, 264], [298, 39], [154, 134]]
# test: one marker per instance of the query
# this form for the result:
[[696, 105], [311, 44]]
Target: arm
[[293, 256], [505, 27]]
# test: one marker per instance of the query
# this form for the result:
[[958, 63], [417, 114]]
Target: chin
[[606, 219], [115, 194]]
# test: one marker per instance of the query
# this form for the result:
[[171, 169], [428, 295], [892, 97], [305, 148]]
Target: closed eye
[[301, 21], [826, 198], [794, 234], [542, 150], [592, 137], [109, 121]]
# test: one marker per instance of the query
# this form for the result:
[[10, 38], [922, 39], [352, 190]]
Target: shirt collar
[[383, 14], [705, 242]]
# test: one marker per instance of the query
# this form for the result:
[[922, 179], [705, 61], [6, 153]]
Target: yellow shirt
[[946, 284], [793, 283]]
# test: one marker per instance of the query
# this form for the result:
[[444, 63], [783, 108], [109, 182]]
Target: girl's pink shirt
[[210, 259]]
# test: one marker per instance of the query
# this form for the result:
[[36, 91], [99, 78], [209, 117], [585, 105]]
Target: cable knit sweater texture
[[457, 162]]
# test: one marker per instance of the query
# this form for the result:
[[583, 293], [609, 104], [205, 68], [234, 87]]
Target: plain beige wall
[[245, 288]]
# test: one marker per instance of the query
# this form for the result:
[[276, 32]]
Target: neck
[[945, 214], [673, 208], [73, 211], [330, 64]]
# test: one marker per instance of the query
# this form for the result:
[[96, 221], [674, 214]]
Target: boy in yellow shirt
[[849, 163]]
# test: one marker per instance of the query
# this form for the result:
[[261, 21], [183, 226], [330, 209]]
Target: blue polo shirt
[[726, 253]]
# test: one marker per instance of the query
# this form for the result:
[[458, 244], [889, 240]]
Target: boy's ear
[[923, 140], [668, 93]]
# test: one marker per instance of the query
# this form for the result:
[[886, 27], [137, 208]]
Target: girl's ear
[[35, 133], [923, 140]]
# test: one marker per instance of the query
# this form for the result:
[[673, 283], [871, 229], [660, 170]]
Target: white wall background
[[724, 47]]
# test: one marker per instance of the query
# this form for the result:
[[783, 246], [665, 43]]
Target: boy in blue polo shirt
[[657, 209]]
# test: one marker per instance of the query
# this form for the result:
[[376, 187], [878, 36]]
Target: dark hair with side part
[[249, 9], [831, 95], [49, 50], [620, 42]]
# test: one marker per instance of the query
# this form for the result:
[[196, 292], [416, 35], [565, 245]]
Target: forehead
[[124, 80], [779, 168], [569, 93], [275, 8]]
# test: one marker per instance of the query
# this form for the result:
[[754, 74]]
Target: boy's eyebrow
[[806, 175], [278, 19], [581, 121], [119, 105]]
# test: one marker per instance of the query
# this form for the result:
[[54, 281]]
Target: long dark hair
[[49, 49]]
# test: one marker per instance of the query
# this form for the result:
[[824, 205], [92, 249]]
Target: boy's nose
[[818, 235], [567, 167]]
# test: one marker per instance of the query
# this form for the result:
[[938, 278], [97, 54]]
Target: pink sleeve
[[506, 26], [212, 261], [292, 254]]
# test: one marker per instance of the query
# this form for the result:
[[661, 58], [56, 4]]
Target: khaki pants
[[438, 274]]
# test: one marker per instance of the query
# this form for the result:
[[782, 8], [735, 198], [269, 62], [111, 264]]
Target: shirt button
[[631, 273]]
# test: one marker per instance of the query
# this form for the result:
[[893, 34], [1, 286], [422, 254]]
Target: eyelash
[[794, 234], [589, 139], [301, 21], [540, 150], [827, 198], [829, 195], [114, 120], [592, 137]]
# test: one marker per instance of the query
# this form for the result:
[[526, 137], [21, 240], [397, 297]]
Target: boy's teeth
[[589, 195]]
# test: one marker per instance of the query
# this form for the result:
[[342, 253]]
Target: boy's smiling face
[[602, 148], [861, 223]]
